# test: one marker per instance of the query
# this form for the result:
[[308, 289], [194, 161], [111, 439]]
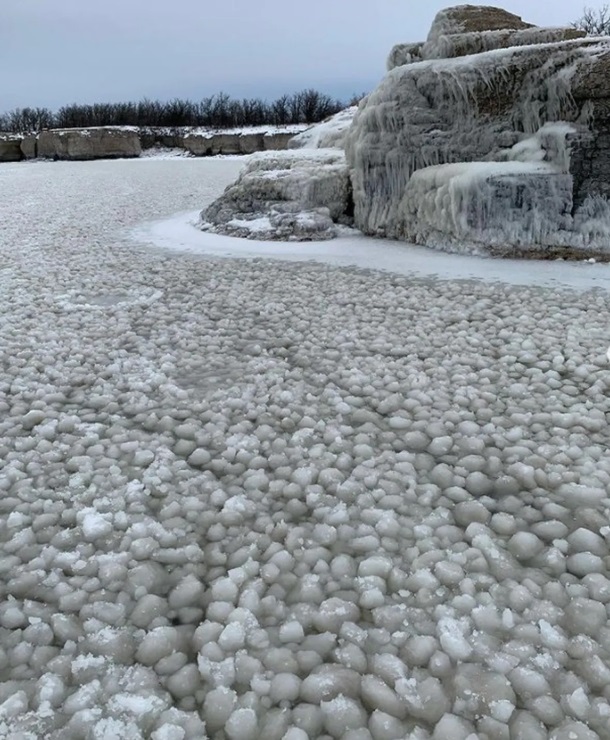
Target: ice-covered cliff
[[496, 148], [491, 135]]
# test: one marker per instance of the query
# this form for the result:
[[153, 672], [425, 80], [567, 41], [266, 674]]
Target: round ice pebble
[[584, 616], [242, 725], [218, 706], [598, 587], [187, 593], [156, 644], [362, 734], [584, 540], [295, 733], [291, 632], [185, 682], [524, 726], [583, 563], [32, 418], [284, 687], [333, 612], [484, 692], [570, 730], [341, 714], [478, 484], [148, 608], [418, 650], [452, 727], [383, 726], [169, 731], [376, 694], [328, 682], [525, 545], [467, 512]]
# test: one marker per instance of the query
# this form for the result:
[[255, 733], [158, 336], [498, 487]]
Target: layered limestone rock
[[10, 149], [89, 143], [284, 196], [503, 148], [29, 146], [211, 143], [472, 29], [277, 140]]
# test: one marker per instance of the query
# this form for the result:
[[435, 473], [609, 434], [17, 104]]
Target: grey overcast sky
[[62, 51]]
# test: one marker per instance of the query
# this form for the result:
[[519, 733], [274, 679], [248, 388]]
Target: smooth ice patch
[[353, 249], [98, 301]]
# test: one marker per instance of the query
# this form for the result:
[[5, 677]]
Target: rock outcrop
[[202, 143], [113, 142], [10, 150], [89, 143], [506, 143], [289, 195], [491, 135], [29, 146], [472, 29]]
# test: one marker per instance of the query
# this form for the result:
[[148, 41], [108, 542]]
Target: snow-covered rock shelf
[[255, 499]]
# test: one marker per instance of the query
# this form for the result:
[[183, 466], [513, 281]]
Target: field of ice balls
[[248, 500]]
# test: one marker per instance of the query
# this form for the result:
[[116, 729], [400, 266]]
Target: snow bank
[[328, 134]]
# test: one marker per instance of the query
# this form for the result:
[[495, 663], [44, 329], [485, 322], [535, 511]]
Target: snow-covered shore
[[290, 500]]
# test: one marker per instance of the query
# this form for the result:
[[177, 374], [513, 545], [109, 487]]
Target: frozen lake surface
[[291, 499]]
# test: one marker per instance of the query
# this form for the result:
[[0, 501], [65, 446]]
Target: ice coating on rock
[[525, 103], [294, 195]]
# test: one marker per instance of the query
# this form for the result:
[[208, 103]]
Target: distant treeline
[[217, 111]]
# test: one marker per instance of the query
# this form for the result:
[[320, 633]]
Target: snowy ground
[[290, 500]]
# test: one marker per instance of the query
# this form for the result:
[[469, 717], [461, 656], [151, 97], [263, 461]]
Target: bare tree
[[307, 106], [595, 21]]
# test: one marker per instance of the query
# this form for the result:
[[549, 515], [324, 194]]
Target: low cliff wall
[[110, 142]]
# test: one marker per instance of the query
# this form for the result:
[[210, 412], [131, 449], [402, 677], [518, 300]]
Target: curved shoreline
[[179, 234]]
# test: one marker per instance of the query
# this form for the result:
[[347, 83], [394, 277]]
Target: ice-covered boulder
[[328, 134], [474, 19], [104, 142], [285, 195], [299, 194], [491, 203], [404, 54], [470, 29], [537, 110], [463, 44]]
